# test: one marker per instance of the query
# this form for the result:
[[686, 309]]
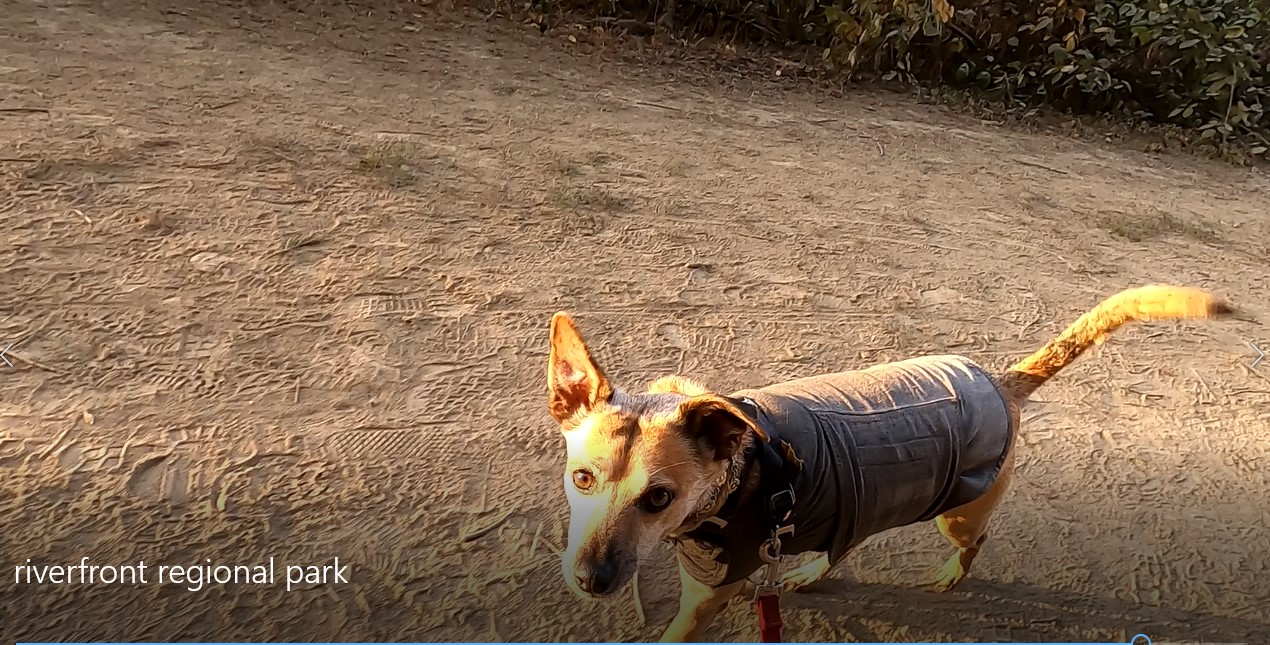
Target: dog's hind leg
[[966, 527]]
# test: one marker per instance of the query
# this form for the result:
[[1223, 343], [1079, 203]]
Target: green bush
[[1198, 64]]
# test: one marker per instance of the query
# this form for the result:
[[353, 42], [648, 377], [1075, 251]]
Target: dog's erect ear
[[574, 381], [718, 422]]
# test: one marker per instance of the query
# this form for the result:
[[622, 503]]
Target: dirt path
[[279, 285]]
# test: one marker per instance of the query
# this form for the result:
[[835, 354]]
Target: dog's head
[[639, 465]]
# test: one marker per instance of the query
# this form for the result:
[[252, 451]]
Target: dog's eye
[[583, 479], [657, 499]]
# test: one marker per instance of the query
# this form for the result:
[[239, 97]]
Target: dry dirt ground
[[279, 281]]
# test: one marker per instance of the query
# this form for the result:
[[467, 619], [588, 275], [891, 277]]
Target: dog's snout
[[597, 578]]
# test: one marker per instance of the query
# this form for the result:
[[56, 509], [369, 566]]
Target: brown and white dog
[[862, 451]]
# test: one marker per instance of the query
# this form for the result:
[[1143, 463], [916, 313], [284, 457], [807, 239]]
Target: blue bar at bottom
[[1140, 639]]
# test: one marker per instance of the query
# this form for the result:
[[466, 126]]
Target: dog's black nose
[[598, 578]]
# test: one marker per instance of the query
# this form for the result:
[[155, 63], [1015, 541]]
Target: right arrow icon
[[1260, 354]]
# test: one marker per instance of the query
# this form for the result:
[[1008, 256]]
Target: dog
[[812, 465]]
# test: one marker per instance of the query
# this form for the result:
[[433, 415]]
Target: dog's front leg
[[698, 605]]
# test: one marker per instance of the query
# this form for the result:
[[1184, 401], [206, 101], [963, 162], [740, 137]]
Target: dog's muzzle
[[598, 580], [598, 576]]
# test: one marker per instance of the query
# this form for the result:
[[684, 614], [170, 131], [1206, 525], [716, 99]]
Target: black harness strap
[[776, 490], [775, 483], [747, 518]]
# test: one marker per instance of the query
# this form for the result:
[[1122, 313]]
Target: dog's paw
[[951, 575], [806, 575]]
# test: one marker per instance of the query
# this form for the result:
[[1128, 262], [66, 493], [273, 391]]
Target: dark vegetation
[[1200, 66]]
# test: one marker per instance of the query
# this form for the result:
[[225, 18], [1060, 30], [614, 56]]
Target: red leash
[[769, 617]]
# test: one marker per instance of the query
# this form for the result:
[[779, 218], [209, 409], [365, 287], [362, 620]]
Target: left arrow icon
[[6, 351]]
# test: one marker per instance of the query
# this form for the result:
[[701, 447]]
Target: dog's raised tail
[[1140, 304]]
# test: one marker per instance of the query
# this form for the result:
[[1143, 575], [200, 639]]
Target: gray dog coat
[[883, 447]]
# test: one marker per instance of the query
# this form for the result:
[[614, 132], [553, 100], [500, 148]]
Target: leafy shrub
[[1199, 64]]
